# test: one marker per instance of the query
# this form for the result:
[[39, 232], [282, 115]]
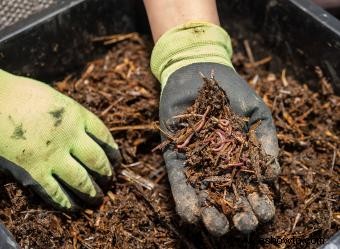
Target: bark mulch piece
[[138, 211]]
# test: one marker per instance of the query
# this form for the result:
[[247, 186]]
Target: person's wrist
[[192, 42]]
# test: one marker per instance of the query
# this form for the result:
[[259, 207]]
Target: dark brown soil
[[222, 159], [138, 210]]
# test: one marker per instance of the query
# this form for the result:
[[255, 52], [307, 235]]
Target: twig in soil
[[111, 39], [86, 245], [232, 165], [249, 52], [131, 176], [249, 171], [254, 81], [39, 211], [283, 78], [311, 200], [135, 127], [297, 218], [161, 145], [259, 62], [135, 164], [106, 111]]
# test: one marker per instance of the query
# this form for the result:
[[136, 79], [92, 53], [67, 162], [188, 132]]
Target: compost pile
[[138, 211], [221, 158]]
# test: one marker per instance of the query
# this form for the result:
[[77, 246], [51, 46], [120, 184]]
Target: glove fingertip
[[187, 202], [114, 157], [187, 207], [112, 152], [216, 223]]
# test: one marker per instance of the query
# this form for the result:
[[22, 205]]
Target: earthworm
[[186, 142], [199, 127], [218, 148], [225, 158], [226, 129], [210, 138], [202, 122], [221, 135], [222, 146], [214, 139]]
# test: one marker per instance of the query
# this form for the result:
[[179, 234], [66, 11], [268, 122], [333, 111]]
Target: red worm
[[226, 129], [186, 142], [218, 148], [209, 139], [221, 134], [202, 122]]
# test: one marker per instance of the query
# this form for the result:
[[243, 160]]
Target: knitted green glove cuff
[[193, 42]]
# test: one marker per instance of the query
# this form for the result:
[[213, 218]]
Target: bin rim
[[37, 18]]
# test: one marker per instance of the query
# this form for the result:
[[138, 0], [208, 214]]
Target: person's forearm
[[166, 14], [328, 3]]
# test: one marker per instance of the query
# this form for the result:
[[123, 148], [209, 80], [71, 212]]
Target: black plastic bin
[[57, 40]]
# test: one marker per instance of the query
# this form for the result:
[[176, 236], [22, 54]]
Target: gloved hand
[[178, 58], [51, 143], [6, 239]]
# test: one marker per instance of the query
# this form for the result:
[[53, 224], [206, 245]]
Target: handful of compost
[[224, 160]]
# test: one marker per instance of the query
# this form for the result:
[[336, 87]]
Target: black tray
[[58, 40]]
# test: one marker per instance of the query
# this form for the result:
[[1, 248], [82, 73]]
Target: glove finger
[[93, 157], [245, 221], [97, 130], [76, 179], [262, 206], [216, 223], [43, 184], [266, 134], [187, 203], [53, 193]]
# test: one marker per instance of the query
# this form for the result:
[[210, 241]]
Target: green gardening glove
[[52, 144], [178, 58]]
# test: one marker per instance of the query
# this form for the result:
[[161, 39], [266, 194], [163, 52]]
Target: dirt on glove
[[223, 157], [138, 210]]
